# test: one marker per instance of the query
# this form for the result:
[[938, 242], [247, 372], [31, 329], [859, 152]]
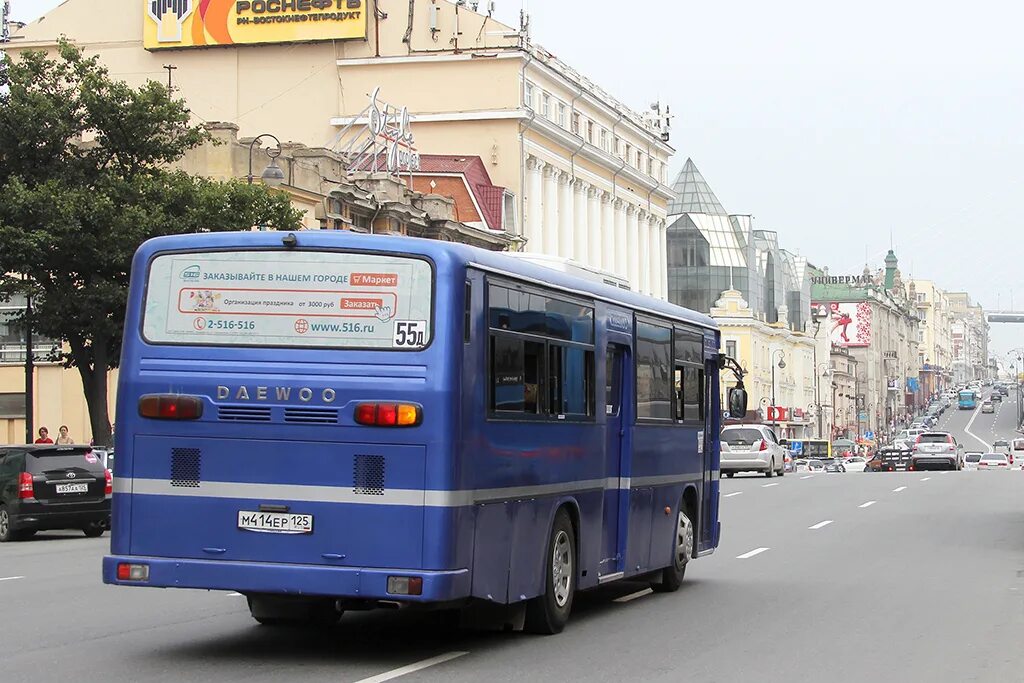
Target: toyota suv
[[52, 487], [752, 448], [935, 450]]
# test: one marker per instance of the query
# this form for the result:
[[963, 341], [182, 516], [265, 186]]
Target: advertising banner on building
[[848, 324], [172, 24]]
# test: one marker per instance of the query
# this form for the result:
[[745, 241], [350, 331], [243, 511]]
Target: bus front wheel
[[548, 613]]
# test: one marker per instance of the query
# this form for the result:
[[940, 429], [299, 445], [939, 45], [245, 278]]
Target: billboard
[[169, 24], [848, 324]]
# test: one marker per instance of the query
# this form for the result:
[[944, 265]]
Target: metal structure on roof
[[693, 194]]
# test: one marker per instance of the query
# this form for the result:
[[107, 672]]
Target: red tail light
[[389, 414], [110, 483], [763, 446], [25, 486], [171, 407]]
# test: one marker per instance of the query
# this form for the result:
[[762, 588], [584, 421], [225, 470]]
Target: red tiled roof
[[488, 195]]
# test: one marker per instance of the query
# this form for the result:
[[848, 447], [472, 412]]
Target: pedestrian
[[44, 436], [62, 438]]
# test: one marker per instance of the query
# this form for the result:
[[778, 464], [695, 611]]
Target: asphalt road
[[845, 577]]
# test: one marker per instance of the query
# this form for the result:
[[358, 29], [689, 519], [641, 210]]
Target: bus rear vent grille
[[185, 466], [316, 416], [368, 475], [244, 413]]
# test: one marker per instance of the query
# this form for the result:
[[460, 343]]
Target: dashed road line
[[412, 668], [898, 489], [11, 578], [819, 525], [809, 476], [752, 553], [634, 596], [867, 504], [926, 479], [766, 486], [734, 493]]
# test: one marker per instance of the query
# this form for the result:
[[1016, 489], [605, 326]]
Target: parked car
[[800, 465], [856, 463], [833, 465], [752, 448], [987, 407], [971, 459], [815, 465], [890, 460], [52, 487], [994, 461], [937, 449]]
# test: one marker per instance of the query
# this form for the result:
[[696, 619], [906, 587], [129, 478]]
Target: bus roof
[[439, 251]]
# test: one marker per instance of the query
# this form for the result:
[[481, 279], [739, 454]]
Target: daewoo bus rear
[[327, 421]]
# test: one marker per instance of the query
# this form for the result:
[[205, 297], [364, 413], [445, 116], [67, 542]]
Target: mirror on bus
[[737, 402]]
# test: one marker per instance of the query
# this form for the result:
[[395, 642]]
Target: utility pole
[[170, 68], [29, 373]]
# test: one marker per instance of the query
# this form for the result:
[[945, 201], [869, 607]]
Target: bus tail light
[[171, 407], [132, 572], [109, 488], [405, 585], [389, 414], [25, 486]]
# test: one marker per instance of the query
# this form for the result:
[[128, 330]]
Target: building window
[[617, 143], [545, 105], [650, 166], [639, 160], [561, 115], [604, 139], [730, 348], [590, 132], [12, 406], [653, 381], [12, 334], [628, 155], [575, 123], [508, 212], [528, 94]]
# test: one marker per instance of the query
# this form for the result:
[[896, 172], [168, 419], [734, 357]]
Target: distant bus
[[968, 400], [325, 421]]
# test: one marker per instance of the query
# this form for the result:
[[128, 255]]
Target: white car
[[752, 448], [855, 464], [971, 460]]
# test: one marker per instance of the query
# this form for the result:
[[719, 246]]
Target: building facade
[[969, 339], [935, 337]]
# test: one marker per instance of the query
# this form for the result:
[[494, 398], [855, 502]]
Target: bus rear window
[[289, 298]]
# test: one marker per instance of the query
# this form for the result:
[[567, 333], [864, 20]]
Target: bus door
[[617, 490], [709, 460]]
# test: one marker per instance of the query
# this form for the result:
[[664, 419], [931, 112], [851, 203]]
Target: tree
[[84, 180]]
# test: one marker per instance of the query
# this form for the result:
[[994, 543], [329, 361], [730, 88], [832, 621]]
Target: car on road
[[996, 396], [752, 448], [52, 487], [856, 463], [833, 465], [937, 450], [815, 465], [1002, 446], [994, 461], [971, 459], [988, 407], [890, 460], [799, 465]]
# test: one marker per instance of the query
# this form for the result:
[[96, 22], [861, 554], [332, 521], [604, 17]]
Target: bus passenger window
[[612, 381], [508, 390], [533, 374]]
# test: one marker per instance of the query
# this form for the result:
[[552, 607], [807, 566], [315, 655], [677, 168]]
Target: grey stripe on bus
[[345, 494]]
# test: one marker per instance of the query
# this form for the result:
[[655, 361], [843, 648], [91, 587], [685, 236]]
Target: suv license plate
[[73, 488], [275, 522]]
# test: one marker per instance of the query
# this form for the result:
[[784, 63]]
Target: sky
[[846, 128]]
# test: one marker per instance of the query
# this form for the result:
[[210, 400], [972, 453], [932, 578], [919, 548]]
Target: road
[[845, 577]]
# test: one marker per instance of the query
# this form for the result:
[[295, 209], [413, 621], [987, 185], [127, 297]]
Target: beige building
[[582, 176], [935, 335], [759, 346]]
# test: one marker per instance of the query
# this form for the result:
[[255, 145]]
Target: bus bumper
[[289, 579]]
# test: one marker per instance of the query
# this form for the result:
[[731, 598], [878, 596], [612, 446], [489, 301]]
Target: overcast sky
[[835, 125]]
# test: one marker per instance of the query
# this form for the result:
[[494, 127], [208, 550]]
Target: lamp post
[[782, 366], [817, 389], [30, 370], [272, 175]]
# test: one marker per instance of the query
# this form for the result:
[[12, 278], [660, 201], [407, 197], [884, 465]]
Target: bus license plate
[[72, 488], [275, 522]]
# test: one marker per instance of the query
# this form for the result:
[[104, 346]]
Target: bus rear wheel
[[272, 610], [682, 550], [548, 613]]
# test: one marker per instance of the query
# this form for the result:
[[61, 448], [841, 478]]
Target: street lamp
[[817, 389], [782, 366], [272, 175]]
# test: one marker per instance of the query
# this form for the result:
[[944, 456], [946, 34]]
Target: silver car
[[937, 450], [752, 448]]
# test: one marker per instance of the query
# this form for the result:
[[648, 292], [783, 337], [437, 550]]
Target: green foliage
[[84, 180]]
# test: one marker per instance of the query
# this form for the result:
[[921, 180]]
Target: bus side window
[[612, 381]]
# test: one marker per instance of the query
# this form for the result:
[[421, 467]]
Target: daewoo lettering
[[263, 393]]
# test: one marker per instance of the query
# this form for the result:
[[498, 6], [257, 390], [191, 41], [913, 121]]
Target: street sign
[[862, 417], [869, 434]]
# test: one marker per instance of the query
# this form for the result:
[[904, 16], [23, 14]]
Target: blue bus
[[968, 400], [328, 421]]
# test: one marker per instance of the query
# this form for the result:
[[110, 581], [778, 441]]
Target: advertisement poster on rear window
[[315, 299]]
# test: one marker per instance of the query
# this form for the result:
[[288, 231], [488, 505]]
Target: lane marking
[[819, 525], [11, 578], [412, 668], [235, 595], [901, 488], [734, 493], [765, 486], [967, 429], [809, 476], [867, 504], [926, 479], [755, 551], [634, 596]]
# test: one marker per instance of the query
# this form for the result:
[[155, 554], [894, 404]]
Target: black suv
[[52, 487]]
